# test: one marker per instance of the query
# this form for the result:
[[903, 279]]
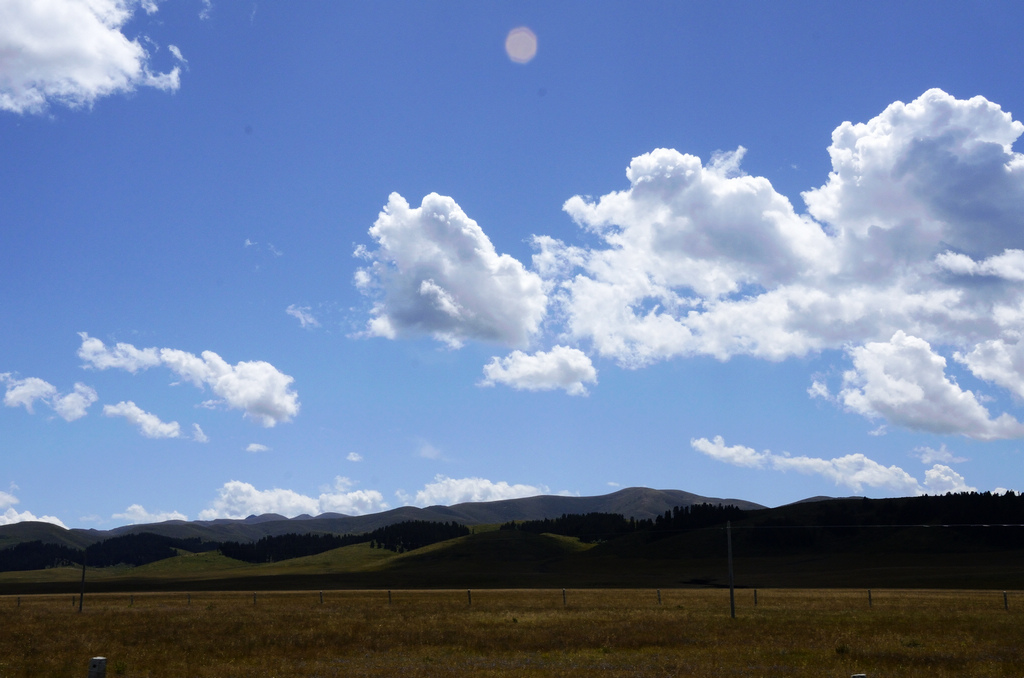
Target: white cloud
[[1009, 265], [435, 272], [256, 387], [24, 392], [198, 435], [123, 356], [904, 381], [701, 259], [428, 451], [998, 361], [257, 447], [447, 491], [354, 456], [10, 516], [853, 470], [929, 456], [303, 315], [70, 52], [149, 424], [74, 405], [940, 479], [912, 241], [737, 455], [173, 49], [237, 499], [343, 499], [562, 367], [137, 515]]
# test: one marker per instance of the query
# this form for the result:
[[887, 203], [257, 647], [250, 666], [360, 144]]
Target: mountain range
[[634, 502]]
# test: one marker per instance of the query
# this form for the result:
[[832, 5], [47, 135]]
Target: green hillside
[[956, 541]]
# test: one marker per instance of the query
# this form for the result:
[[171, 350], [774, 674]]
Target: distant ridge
[[631, 502]]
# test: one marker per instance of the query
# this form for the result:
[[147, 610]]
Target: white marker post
[[98, 667]]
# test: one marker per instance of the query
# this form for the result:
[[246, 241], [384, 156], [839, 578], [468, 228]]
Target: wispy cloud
[[25, 392], [854, 471], [256, 387], [446, 491], [137, 515], [148, 423], [237, 499], [303, 314]]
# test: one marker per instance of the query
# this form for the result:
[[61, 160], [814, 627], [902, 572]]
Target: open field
[[522, 632]]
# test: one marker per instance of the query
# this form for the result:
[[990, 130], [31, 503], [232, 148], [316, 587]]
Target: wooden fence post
[[869, 598], [253, 597], [389, 596], [732, 590], [321, 597], [1006, 602], [81, 596], [563, 598], [659, 596], [469, 597], [755, 597]]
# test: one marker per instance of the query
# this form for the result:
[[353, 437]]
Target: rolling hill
[[633, 502]]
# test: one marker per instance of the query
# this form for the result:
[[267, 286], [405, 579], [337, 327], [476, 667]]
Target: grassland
[[521, 632]]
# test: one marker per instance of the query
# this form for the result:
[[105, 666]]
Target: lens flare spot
[[521, 45]]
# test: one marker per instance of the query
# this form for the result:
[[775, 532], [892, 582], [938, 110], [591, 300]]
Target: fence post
[[869, 598], [98, 667], [563, 598], [732, 590], [389, 596], [253, 597], [321, 597], [131, 601], [1006, 602], [659, 596], [755, 597], [81, 596], [469, 597]]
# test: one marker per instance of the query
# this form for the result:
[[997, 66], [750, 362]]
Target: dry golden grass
[[516, 633]]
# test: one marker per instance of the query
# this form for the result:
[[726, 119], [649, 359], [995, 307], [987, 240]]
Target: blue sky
[[309, 257]]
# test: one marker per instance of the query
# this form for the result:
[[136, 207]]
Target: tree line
[[128, 549], [595, 527], [399, 537]]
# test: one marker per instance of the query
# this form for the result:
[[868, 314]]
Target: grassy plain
[[521, 632]]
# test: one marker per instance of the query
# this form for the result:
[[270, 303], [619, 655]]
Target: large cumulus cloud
[[435, 272], [911, 252], [701, 259]]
